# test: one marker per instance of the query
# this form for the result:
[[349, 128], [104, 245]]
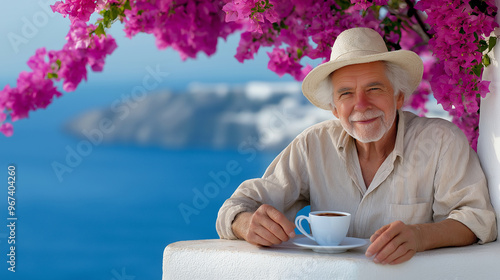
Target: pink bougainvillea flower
[[36, 89], [7, 129], [75, 9]]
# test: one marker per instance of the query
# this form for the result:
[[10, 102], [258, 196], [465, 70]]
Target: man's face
[[364, 100]]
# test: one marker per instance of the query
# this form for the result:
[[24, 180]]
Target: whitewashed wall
[[489, 127]]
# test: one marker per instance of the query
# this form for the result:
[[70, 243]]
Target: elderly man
[[410, 183]]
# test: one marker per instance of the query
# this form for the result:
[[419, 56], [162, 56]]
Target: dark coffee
[[331, 214]]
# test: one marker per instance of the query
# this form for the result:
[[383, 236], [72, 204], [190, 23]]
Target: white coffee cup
[[328, 227]]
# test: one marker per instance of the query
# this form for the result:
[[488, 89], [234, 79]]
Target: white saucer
[[346, 244]]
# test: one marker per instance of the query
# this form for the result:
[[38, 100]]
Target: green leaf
[[100, 29], [481, 5], [106, 14], [482, 46], [476, 69], [344, 4], [486, 60], [105, 18], [127, 6], [491, 43], [114, 13], [300, 53], [283, 25], [394, 4], [51, 75]]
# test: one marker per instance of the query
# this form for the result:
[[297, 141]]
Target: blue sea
[[103, 211]]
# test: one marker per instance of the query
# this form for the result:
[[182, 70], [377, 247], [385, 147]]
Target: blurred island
[[260, 115], [264, 115]]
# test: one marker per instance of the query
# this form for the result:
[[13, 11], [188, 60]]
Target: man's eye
[[345, 93], [373, 89]]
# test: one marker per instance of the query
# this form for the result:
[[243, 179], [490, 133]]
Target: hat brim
[[407, 60]]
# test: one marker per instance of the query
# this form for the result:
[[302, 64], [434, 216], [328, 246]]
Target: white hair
[[396, 75]]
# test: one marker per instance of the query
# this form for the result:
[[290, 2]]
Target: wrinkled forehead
[[365, 73]]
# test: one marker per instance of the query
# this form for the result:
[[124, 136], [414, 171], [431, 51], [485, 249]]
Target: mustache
[[367, 115]]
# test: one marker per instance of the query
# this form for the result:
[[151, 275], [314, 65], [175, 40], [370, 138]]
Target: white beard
[[373, 131]]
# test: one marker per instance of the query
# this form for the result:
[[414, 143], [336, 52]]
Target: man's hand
[[265, 227], [395, 243]]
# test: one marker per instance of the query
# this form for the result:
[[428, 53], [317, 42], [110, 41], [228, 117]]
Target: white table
[[235, 259]]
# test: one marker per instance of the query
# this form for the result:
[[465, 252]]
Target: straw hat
[[356, 46]]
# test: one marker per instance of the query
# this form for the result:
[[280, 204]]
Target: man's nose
[[362, 101]]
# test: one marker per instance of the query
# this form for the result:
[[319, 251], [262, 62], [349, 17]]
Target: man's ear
[[400, 100], [334, 110]]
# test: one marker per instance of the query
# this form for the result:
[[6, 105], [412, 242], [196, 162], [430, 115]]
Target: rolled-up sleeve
[[461, 191], [283, 185]]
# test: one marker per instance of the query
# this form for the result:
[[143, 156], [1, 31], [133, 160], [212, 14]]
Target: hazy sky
[[26, 25]]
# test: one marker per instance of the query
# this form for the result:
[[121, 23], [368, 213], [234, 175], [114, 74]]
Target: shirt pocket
[[410, 213]]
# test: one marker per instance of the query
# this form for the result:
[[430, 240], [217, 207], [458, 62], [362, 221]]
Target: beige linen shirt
[[431, 175]]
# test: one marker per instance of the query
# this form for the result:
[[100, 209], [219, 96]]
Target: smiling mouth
[[366, 121]]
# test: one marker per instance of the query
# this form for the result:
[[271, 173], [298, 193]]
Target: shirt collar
[[345, 139], [343, 142], [400, 136]]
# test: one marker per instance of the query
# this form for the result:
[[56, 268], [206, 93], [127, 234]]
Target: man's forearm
[[446, 233]]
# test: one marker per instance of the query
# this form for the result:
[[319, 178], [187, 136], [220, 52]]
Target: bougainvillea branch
[[450, 36], [36, 89], [458, 44]]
